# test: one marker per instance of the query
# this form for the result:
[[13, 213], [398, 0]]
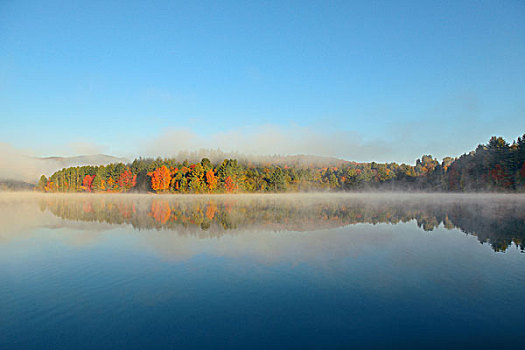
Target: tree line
[[495, 166]]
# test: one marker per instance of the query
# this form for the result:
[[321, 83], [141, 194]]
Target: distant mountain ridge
[[13, 185], [94, 159], [29, 169]]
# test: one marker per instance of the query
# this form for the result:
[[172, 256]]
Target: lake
[[321, 271]]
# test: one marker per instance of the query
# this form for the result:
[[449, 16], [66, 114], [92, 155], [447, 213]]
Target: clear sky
[[370, 80]]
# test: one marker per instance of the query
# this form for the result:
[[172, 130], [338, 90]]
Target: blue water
[[74, 284]]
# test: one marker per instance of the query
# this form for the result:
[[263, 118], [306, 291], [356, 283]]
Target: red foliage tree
[[497, 173], [87, 183], [499, 176], [127, 180]]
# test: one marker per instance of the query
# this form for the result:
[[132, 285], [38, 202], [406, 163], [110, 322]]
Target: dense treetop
[[496, 166]]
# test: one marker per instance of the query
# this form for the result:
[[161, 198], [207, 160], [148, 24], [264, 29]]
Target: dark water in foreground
[[244, 272]]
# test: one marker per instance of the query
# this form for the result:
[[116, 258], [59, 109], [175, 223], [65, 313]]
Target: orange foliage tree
[[229, 184], [160, 179], [50, 187], [211, 180], [110, 184]]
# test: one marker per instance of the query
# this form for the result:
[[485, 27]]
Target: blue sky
[[371, 80]]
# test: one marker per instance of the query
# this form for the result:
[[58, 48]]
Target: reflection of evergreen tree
[[499, 225]]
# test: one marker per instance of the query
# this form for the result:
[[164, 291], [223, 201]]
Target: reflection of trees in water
[[499, 224]]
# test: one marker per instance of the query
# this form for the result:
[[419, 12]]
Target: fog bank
[[23, 165]]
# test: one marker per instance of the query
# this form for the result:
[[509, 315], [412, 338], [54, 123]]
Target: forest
[[496, 166]]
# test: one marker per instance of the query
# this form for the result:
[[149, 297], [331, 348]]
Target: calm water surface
[[268, 271]]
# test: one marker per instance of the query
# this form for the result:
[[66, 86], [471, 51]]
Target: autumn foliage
[[87, 183], [211, 180], [160, 179], [496, 166], [127, 180], [229, 184]]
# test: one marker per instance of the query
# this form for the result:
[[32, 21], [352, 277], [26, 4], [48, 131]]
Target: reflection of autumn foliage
[[87, 207], [210, 210], [160, 210], [228, 206], [126, 210], [500, 224], [160, 179]]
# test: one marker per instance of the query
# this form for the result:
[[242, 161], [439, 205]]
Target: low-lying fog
[[267, 226]]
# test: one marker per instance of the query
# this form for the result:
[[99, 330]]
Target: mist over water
[[496, 219], [362, 270]]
